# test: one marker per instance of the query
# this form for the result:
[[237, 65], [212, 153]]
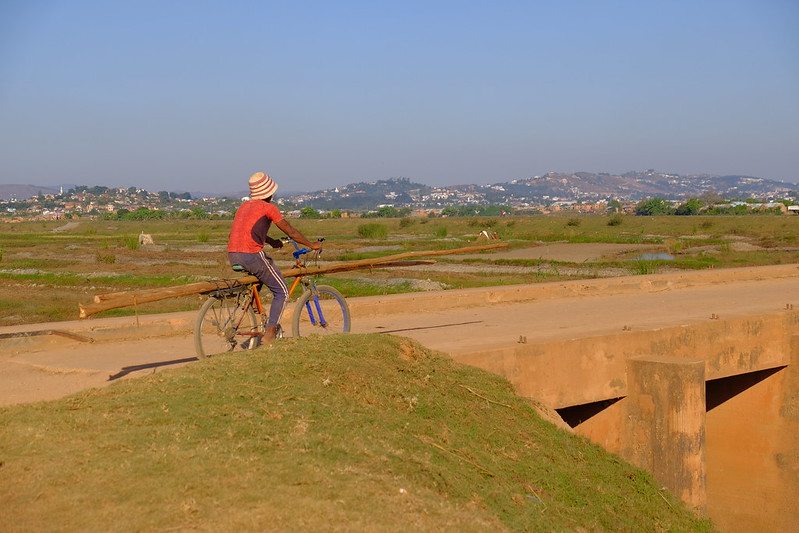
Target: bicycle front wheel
[[222, 325], [323, 312]]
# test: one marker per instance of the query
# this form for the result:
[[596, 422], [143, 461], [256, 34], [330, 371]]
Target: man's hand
[[274, 243]]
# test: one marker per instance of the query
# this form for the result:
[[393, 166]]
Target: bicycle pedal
[[251, 343]]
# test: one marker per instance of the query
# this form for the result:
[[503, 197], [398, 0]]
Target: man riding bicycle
[[248, 235]]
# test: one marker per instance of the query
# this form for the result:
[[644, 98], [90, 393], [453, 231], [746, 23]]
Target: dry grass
[[360, 433]]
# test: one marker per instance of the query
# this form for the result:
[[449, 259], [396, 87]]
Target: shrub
[[573, 222], [108, 259], [441, 232], [615, 220], [405, 222], [642, 268], [373, 231], [131, 242]]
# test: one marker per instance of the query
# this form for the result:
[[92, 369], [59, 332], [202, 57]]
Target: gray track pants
[[263, 267]]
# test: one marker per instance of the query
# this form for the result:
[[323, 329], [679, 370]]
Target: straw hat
[[261, 186]]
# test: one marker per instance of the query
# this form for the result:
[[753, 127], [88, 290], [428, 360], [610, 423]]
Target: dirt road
[[456, 322]]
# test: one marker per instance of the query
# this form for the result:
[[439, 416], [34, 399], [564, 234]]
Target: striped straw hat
[[261, 186]]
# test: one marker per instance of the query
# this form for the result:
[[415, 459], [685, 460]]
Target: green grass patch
[[130, 242], [364, 433], [373, 231], [357, 256], [353, 288], [643, 267]]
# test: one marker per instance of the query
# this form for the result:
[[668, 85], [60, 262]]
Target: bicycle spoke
[[322, 313], [223, 325]]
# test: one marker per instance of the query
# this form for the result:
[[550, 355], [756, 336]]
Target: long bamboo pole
[[105, 302]]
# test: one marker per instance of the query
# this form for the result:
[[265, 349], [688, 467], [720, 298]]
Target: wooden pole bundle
[[115, 300]]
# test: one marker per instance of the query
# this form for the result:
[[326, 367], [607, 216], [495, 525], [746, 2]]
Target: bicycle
[[227, 320]]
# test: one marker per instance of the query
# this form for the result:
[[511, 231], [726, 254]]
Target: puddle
[[653, 257]]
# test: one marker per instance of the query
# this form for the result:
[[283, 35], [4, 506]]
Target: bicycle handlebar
[[300, 251]]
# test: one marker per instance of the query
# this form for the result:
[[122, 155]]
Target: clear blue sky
[[197, 95]]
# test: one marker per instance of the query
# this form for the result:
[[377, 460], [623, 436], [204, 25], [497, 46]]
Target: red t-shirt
[[250, 226]]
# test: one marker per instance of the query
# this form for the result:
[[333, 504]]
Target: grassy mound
[[353, 433]]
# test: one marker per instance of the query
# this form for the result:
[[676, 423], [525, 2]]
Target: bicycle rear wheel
[[224, 324], [323, 312]]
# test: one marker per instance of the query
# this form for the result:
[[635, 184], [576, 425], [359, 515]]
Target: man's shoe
[[270, 334]]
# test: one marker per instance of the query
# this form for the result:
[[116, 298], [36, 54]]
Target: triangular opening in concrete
[[718, 391], [577, 414]]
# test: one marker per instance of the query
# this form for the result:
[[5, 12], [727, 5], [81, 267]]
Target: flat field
[[48, 268]]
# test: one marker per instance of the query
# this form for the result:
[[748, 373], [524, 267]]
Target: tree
[[711, 197], [495, 211], [387, 211], [309, 212], [692, 206], [653, 207]]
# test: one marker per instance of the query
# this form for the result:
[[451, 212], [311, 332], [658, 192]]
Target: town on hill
[[580, 192]]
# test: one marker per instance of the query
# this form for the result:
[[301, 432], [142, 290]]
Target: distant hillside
[[643, 184], [23, 192], [534, 191], [363, 195], [549, 188]]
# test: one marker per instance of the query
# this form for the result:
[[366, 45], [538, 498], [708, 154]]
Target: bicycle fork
[[319, 317], [322, 322]]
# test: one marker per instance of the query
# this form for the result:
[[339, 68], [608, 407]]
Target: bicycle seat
[[238, 268]]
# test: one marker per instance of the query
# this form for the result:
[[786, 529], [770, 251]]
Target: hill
[[23, 192], [528, 193], [355, 433], [546, 189]]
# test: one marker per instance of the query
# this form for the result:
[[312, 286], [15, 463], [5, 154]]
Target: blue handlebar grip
[[298, 253]]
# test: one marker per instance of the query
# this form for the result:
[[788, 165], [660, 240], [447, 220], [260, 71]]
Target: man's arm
[[274, 243], [295, 235]]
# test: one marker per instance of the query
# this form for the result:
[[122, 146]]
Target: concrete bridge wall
[[711, 409]]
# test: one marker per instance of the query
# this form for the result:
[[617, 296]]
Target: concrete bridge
[[691, 376]]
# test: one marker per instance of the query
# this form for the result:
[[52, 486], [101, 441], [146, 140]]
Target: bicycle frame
[[298, 253], [252, 299], [319, 318]]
